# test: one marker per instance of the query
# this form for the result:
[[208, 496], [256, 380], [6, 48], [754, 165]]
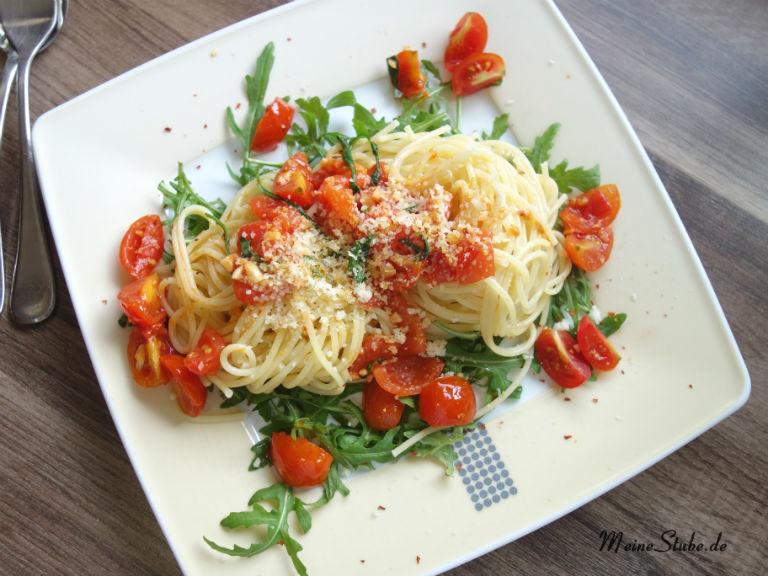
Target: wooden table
[[692, 76]]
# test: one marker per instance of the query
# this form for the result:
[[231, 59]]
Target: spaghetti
[[441, 189]]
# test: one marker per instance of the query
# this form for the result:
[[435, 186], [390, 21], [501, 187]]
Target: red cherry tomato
[[381, 409], [375, 347], [298, 461], [556, 352], [474, 261], [273, 126], [595, 347], [476, 72], [294, 181], [590, 251], [337, 209], [592, 210], [467, 38], [410, 79], [448, 401], [141, 302], [142, 246], [409, 375], [188, 388], [205, 357], [145, 348]]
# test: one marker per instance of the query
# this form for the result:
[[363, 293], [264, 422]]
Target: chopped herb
[[421, 251], [358, 256]]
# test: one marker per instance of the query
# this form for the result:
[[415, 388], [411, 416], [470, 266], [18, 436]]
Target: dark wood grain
[[692, 76]]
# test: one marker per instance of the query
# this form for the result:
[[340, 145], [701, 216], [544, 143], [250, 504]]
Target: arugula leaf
[[282, 500], [255, 89], [611, 323], [579, 178], [574, 300], [480, 365], [357, 257], [542, 146], [500, 127], [178, 195]]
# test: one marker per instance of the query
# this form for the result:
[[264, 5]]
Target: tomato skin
[[141, 302], [145, 348], [188, 388], [477, 71], [294, 181], [375, 347], [410, 79], [474, 261], [337, 208], [409, 375], [556, 352], [142, 246], [448, 401], [590, 251], [595, 347], [205, 358], [381, 409], [273, 126], [468, 37], [299, 462], [592, 210]]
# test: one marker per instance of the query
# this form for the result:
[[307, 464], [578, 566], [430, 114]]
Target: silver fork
[[29, 25]]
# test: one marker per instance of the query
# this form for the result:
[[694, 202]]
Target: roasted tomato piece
[[294, 181], [253, 294], [273, 126], [405, 73], [468, 37], [592, 210], [409, 375], [375, 348], [337, 208], [298, 461], [188, 388], [448, 401], [473, 261], [335, 166], [145, 348], [141, 302], [476, 72], [595, 347], [590, 251], [556, 352], [205, 357], [142, 246], [381, 409]]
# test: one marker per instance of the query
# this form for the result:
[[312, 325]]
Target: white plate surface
[[104, 153]]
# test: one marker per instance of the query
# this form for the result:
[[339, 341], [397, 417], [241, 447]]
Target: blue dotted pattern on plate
[[482, 471]]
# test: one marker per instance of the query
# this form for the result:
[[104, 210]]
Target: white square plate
[[101, 156]]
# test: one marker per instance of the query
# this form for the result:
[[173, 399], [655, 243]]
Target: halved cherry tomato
[[264, 206], [474, 261], [269, 233], [335, 166], [556, 352], [145, 347], [468, 37], [294, 181], [142, 246], [381, 410], [595, 347], [409, 375], [188, 388], [448, 401], [477, 71], [375, 347], [141, 302], [590, 251], [410, 80], [337, 208], [592, 210], [273, 126], [205, 358], [298, 461], [253, 295]]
